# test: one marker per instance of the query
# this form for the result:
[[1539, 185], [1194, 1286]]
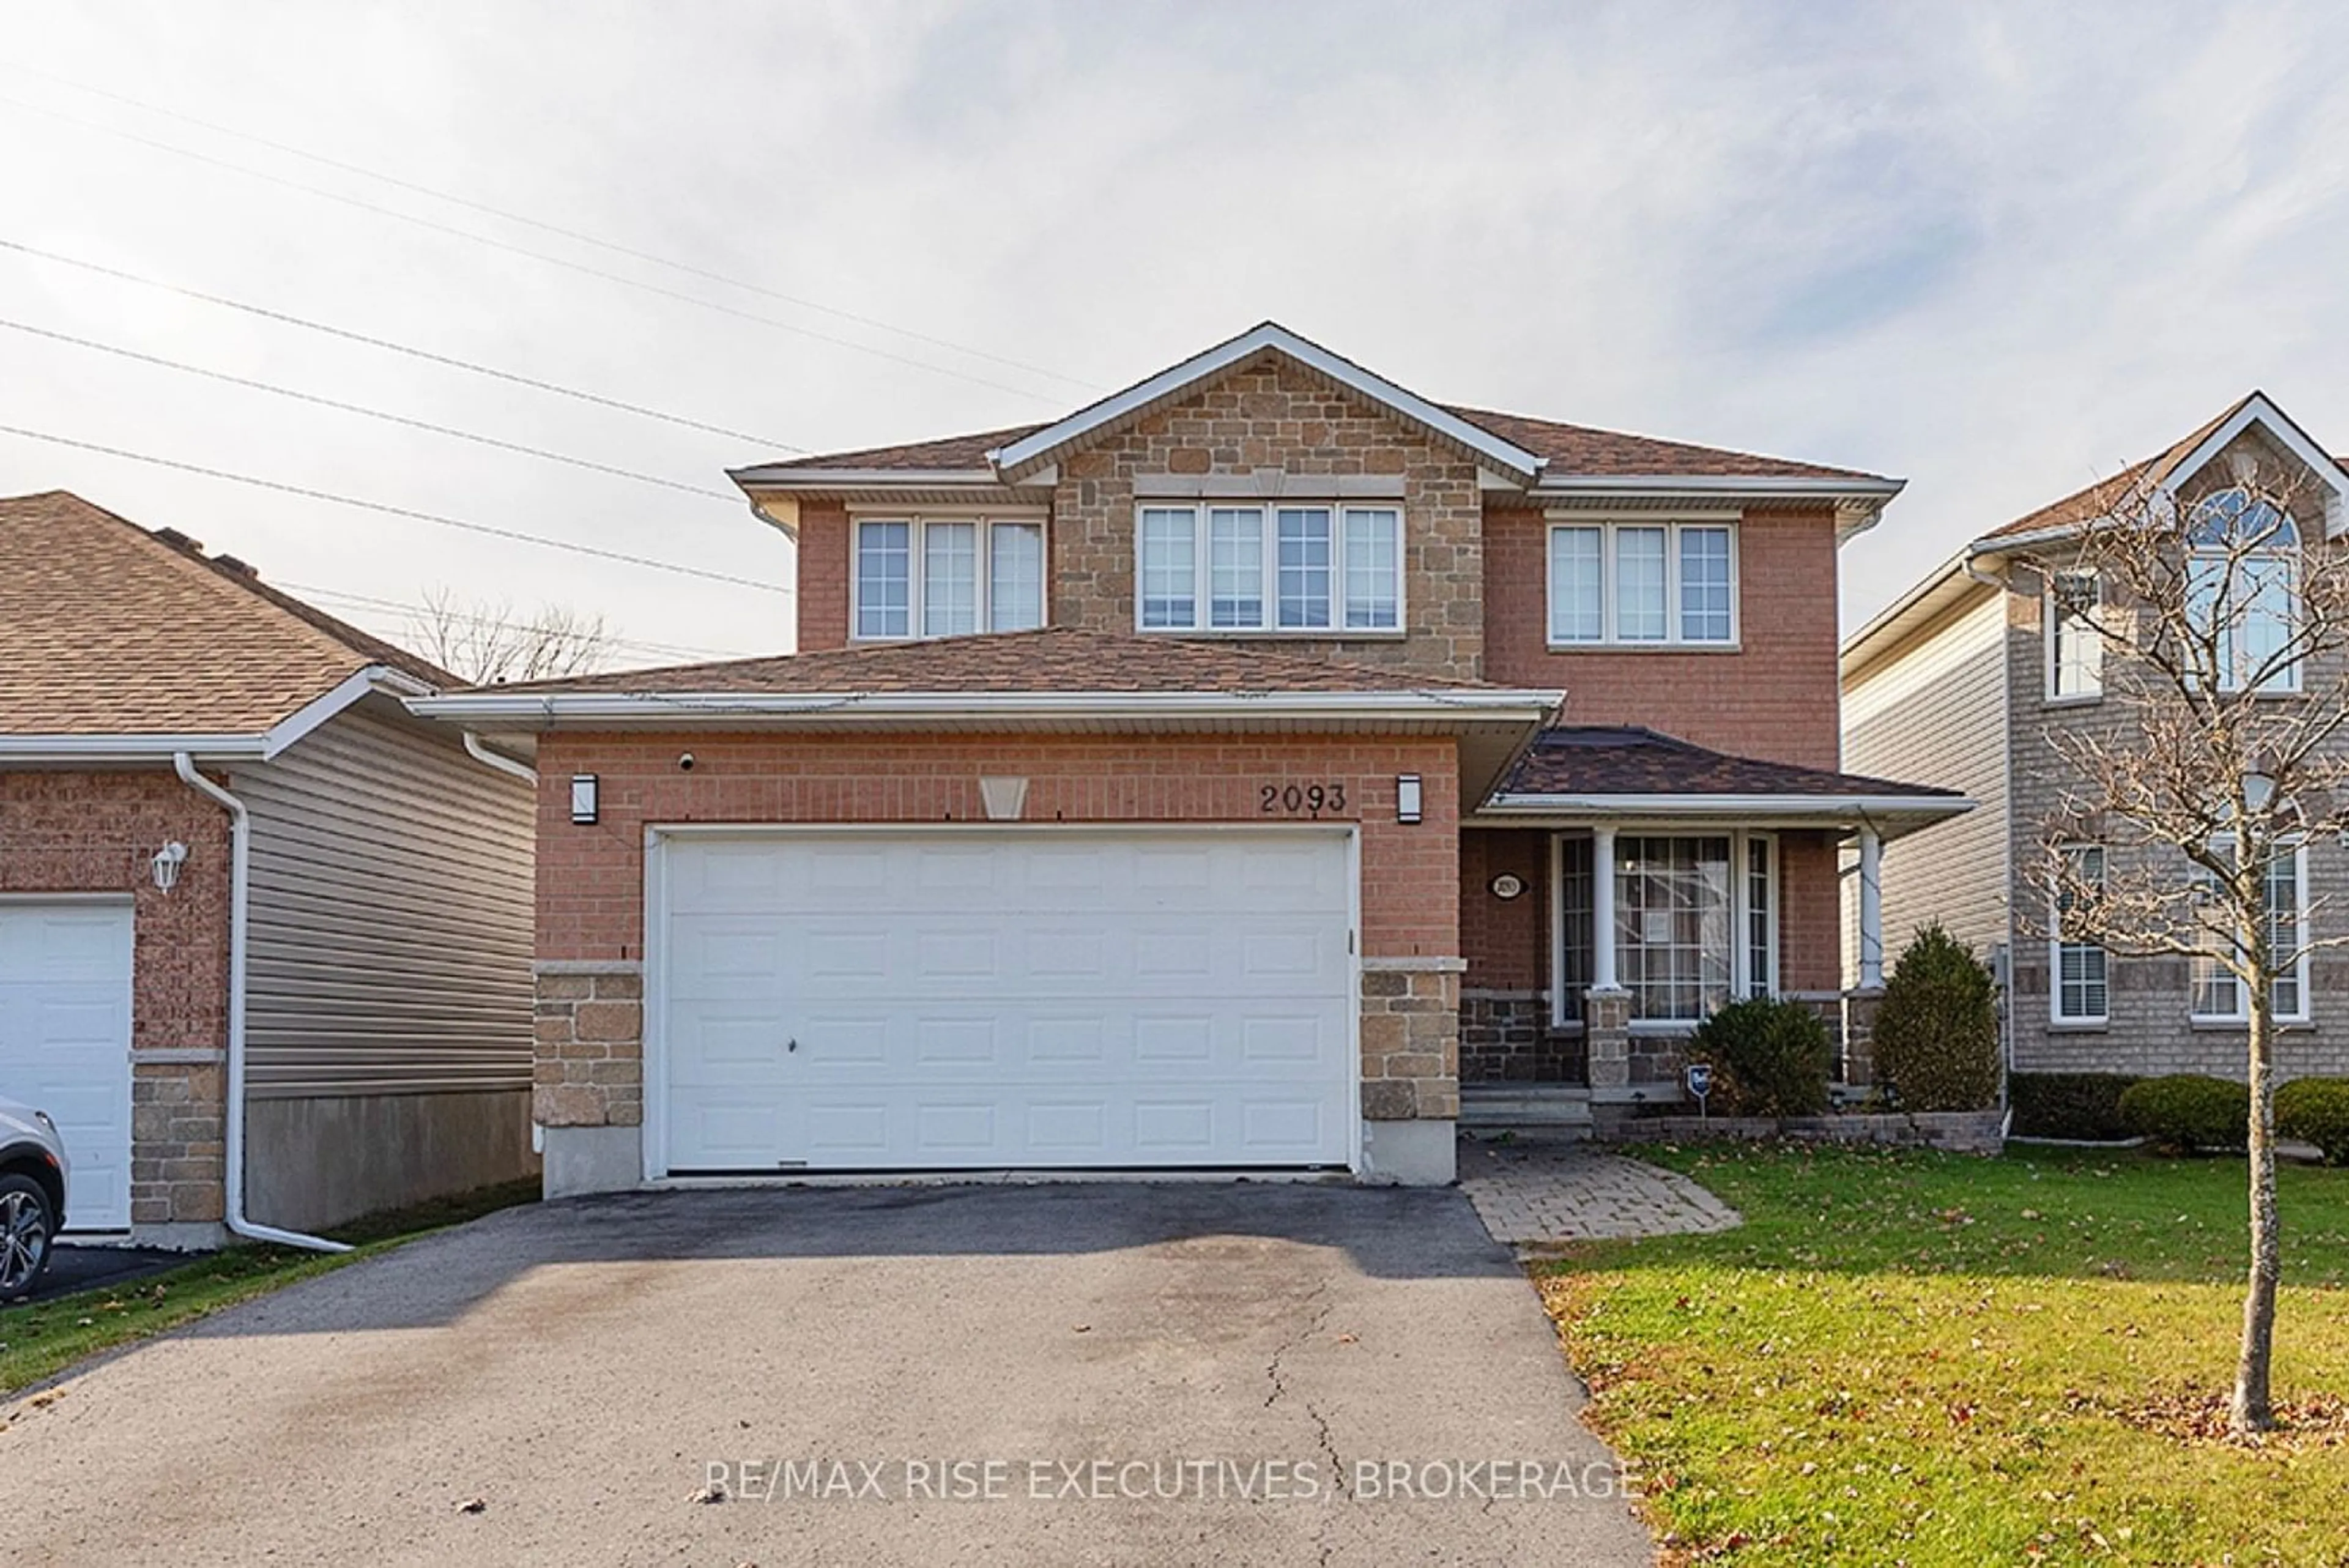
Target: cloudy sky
[[1997, 250]]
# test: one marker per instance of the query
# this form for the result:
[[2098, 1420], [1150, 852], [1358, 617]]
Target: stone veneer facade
[[1280, 419], [93, 833]]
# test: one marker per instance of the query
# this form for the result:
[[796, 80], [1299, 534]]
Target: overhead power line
[[385, 414], [517, 536], [495, 243], [429, 356], [410, 609], [580, 235]]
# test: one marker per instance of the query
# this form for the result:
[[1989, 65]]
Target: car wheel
[[26, 1228]]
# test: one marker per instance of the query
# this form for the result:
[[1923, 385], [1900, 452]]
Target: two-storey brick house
[[1224, 775], [1974, 675]]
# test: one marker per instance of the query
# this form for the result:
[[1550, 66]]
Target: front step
[[1559, 1111]]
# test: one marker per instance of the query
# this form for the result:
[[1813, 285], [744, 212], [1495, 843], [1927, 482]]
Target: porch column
[[1602, 908], [1871, 910], [1606, 1006]]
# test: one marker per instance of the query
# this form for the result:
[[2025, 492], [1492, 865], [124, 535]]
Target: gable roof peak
[[1018, 459]]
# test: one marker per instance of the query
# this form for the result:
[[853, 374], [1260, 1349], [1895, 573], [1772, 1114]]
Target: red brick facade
[[823, 576], [95, 833], [1773, 697], [591, 879]]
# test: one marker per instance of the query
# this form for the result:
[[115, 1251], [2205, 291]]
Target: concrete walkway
[[1534, 1195]]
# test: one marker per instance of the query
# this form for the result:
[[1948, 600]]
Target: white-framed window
[[2075, 640], [2215, 994], [1313, 569], [2243, 583], [1642, 584], [924, 576], [2081, 991], [1696, 922]]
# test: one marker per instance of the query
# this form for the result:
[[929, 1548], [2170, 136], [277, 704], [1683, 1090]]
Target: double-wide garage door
[[973, 998]]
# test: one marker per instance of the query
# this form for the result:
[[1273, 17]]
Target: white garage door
[[65, 1040], [971, 998]]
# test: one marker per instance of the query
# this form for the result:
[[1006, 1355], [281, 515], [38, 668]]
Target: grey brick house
[[1965, 678]]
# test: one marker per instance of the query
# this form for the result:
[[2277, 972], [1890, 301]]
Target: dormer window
[[1313, 569], [947, 576]]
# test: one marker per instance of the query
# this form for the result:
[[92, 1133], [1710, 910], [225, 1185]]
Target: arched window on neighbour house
[[2243, 579]]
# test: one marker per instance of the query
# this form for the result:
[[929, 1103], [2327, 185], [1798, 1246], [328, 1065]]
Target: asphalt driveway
[[1146, 1373]]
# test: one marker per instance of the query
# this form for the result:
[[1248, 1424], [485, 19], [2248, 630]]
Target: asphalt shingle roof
[[1057, 659], [1586, 760], [1570, 449], [108, 630]]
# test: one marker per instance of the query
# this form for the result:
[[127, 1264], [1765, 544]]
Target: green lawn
[[1925, 1358], [40, 1339]]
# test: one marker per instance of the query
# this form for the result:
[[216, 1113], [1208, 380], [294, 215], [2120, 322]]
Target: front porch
[[1712, 877]]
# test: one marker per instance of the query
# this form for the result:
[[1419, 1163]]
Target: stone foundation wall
[[1410, 1038], [1505, 1037], [590, 1028], [1957, 1132]]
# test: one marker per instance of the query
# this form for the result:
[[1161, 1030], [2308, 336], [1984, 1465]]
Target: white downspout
[[239, 897], [481, 754]]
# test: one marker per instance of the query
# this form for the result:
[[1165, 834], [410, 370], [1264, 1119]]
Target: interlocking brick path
[[1531, 1195]]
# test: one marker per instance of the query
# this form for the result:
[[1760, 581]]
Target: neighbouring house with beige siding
[[264, 935], [1967, 678]]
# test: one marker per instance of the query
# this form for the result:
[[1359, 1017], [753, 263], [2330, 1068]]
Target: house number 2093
[[1310, 800]]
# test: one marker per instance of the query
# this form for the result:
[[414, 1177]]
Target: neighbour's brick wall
[[1773, 697], [823, 578], [95, 833], [1277, 416], [2149, 1031], [591, 878]]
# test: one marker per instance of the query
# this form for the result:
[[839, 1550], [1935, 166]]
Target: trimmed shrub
[[1769, 1058], [2187, 1112], [1936, 1043], [2084, 1106], [2316, 1110]]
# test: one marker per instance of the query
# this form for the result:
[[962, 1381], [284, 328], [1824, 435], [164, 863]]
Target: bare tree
[[490, 644], [2223, 620]]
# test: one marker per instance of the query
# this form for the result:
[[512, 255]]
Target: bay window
[[1696, 922], [945, 577], [1639, 584], [1254, 568]]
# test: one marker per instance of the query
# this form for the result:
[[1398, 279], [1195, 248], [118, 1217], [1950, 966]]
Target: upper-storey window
[[1312, 568], [1643, 584], [2076, 645], [947, 576], [2244, 582]]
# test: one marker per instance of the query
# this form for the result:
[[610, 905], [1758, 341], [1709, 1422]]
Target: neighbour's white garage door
[[65, 1040], [976, 998]]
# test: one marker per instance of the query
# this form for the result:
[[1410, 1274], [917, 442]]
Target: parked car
[[32, 1194]]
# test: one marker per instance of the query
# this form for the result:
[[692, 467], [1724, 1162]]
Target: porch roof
[[1588, 773]]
